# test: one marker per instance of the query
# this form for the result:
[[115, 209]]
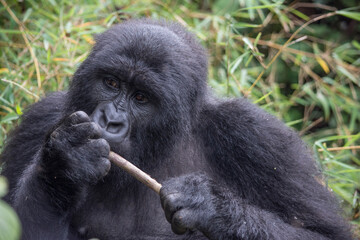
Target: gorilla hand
[[190, 203], [74, 151]]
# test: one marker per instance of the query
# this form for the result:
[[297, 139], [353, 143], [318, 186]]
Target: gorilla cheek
[[114, 122]]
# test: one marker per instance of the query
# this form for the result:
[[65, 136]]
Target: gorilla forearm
[[246, 222], [47, 171], [241, 220], [282, 172], [39, 211], [25, 141], [218, 214]]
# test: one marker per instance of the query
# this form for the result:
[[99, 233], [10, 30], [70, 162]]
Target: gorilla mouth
[[114, 128], [114, 134]]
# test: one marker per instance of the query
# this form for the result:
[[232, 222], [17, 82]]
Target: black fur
[[229, 170]]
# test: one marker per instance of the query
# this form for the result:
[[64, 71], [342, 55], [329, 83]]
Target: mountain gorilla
[[229, 170]]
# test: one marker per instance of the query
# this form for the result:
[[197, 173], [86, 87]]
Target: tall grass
[[298, 60]]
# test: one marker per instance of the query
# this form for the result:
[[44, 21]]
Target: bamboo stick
[[135, 172]]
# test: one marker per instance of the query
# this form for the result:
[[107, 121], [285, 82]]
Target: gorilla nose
[[113, 121]]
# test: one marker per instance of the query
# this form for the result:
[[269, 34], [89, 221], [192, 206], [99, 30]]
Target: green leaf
[[3, 186], [263, 97], [27, 14], [352, 15], [324, 103], [10, 117], [68, 27], [9, 223], [257, 38], [356, 44], [248, 42], [261, 7], [237, 62], [348, 75], [18, 110], [300, 14], [246, 25], [46, 44]]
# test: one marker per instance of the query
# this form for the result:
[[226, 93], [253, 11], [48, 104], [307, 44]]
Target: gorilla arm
[[60, 157], [218, 214], [262, 184], [21, 155]]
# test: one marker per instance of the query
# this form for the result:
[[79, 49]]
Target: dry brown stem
[[135, 172]]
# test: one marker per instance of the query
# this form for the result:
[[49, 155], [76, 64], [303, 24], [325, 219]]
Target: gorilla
[[228, 169]]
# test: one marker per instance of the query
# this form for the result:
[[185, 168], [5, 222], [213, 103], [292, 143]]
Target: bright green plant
[[9, 222]]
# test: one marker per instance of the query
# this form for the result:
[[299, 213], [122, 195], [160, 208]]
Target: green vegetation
[[9, 222], [299, 60]]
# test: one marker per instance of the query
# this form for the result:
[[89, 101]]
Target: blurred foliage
[[299, 60], [9, 222]]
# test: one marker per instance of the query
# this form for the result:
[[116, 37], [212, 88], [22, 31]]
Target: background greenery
[[299, 60]]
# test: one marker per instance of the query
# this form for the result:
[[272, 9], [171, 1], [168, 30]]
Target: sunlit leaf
[[323, 64], [352, 15]]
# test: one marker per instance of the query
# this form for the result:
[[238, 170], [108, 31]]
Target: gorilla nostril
[[102, 121], [114, 127]]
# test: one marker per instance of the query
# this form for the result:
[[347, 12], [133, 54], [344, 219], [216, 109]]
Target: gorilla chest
[[139, 217]]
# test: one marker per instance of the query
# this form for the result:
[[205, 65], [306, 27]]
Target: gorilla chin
[[228, 169]]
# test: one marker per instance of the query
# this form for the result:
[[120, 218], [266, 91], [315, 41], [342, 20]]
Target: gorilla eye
[[113, 83], [141, 98]]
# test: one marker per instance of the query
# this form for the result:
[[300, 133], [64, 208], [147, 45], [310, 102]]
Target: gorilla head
[[143, 80]]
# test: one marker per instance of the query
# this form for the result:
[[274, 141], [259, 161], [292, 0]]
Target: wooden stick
[[340, 148], [135, 172]]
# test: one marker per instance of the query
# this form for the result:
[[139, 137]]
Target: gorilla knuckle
[[106, 164], [178, 222], [81, 115], [173, 198], [77, 117], [58, 139], [171, 204], [101, 142], [101, 167], [95, 129], [169, 196], [101, 145]]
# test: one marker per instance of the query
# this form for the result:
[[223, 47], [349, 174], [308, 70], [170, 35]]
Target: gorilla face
[[119, 114], [142, 87], [122, 108]]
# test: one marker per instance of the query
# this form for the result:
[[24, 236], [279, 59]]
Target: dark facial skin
[[122, 106], [229, 170]]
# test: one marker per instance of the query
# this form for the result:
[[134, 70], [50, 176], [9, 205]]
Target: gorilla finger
[[76, 118], [95, 130], [89, 129], [165, 192], [101, 146], [81, 133], [178, 223], [170, 206], [105, 166], [99, 170]]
